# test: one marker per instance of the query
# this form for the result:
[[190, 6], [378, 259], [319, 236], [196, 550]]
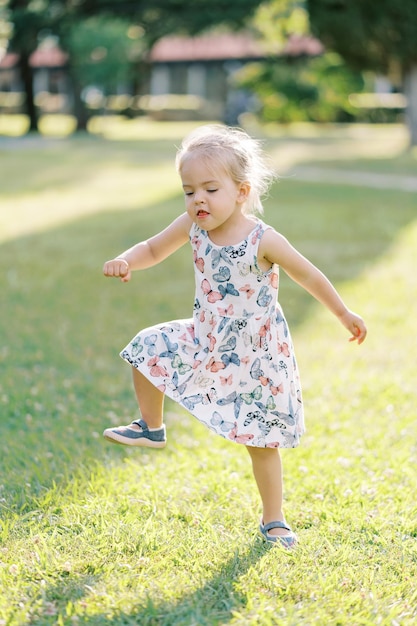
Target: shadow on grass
[[63, 323], [216, 601]]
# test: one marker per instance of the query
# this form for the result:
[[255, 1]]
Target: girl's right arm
[[150, 252]]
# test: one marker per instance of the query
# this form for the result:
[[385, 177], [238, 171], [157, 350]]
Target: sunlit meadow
[[97, 534]]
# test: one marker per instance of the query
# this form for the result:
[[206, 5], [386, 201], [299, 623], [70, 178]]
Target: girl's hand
[[355, 325], [118, 268]]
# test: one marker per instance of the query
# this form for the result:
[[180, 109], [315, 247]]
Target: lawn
[[97, 534]]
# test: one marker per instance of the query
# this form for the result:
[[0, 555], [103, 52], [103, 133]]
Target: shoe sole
[[139, 443]]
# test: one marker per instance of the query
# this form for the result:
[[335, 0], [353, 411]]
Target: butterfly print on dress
[[232, 364], [211, 295]]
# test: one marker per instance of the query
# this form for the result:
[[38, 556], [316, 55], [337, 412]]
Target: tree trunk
[[79, 108], [410, 90], [27, 78]]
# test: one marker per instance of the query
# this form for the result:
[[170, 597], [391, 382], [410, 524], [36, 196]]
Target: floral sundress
[[232, 365]]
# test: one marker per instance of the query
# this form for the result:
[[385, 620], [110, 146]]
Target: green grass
[[97, 534]]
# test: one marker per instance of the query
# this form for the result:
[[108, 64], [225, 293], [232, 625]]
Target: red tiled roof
[[299, 44], [8, 60], [206, 47], [173, 48], [42, 57], [226, 46], [51, 56]]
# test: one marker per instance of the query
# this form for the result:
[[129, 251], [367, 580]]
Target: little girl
[[232, 365]]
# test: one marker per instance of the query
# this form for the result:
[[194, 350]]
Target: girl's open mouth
[[202, 213]]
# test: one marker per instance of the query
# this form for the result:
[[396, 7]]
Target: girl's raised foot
[[131, 435]]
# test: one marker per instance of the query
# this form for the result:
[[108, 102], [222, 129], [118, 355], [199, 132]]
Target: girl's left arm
[[275, 248]]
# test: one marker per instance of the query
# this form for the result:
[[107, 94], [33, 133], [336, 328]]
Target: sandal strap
[[277, 524], [143, 425]]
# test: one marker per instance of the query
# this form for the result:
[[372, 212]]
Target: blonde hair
[[238, 154]]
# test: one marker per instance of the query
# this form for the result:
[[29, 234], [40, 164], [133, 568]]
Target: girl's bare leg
[[150, 400], [267, 470]]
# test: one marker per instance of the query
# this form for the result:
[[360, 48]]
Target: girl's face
[[213, 199]]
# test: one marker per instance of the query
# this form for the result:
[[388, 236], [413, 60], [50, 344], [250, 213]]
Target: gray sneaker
[[129, 436]]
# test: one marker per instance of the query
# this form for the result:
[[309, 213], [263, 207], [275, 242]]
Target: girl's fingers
[[358, 334], [123, 269], [117, 268], [108, 269]]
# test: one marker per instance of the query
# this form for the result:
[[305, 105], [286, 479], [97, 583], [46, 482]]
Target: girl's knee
[[262, 453]]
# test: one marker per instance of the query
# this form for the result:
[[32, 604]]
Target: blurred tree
[[299, 87], [302, 89], [31, 19], [380, 36], [277, 20], [103, 54], [24, 26], [162, 17]]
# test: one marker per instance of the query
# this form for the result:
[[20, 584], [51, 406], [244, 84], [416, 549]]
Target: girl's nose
[[198, 197]]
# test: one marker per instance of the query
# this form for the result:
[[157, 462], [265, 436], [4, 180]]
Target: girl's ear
[[244, 191]]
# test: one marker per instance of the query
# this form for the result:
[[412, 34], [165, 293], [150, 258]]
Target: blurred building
[[188, 78], [51, 84], [201, 69]]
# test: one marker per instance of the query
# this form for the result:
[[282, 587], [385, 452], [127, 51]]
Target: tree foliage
[[275, 21], [369, 35], [380, 36], [156, 17], [299, 88], [289, 90], [102, 52]]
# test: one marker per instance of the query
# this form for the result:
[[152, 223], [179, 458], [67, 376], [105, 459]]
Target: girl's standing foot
[[267, 470]]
